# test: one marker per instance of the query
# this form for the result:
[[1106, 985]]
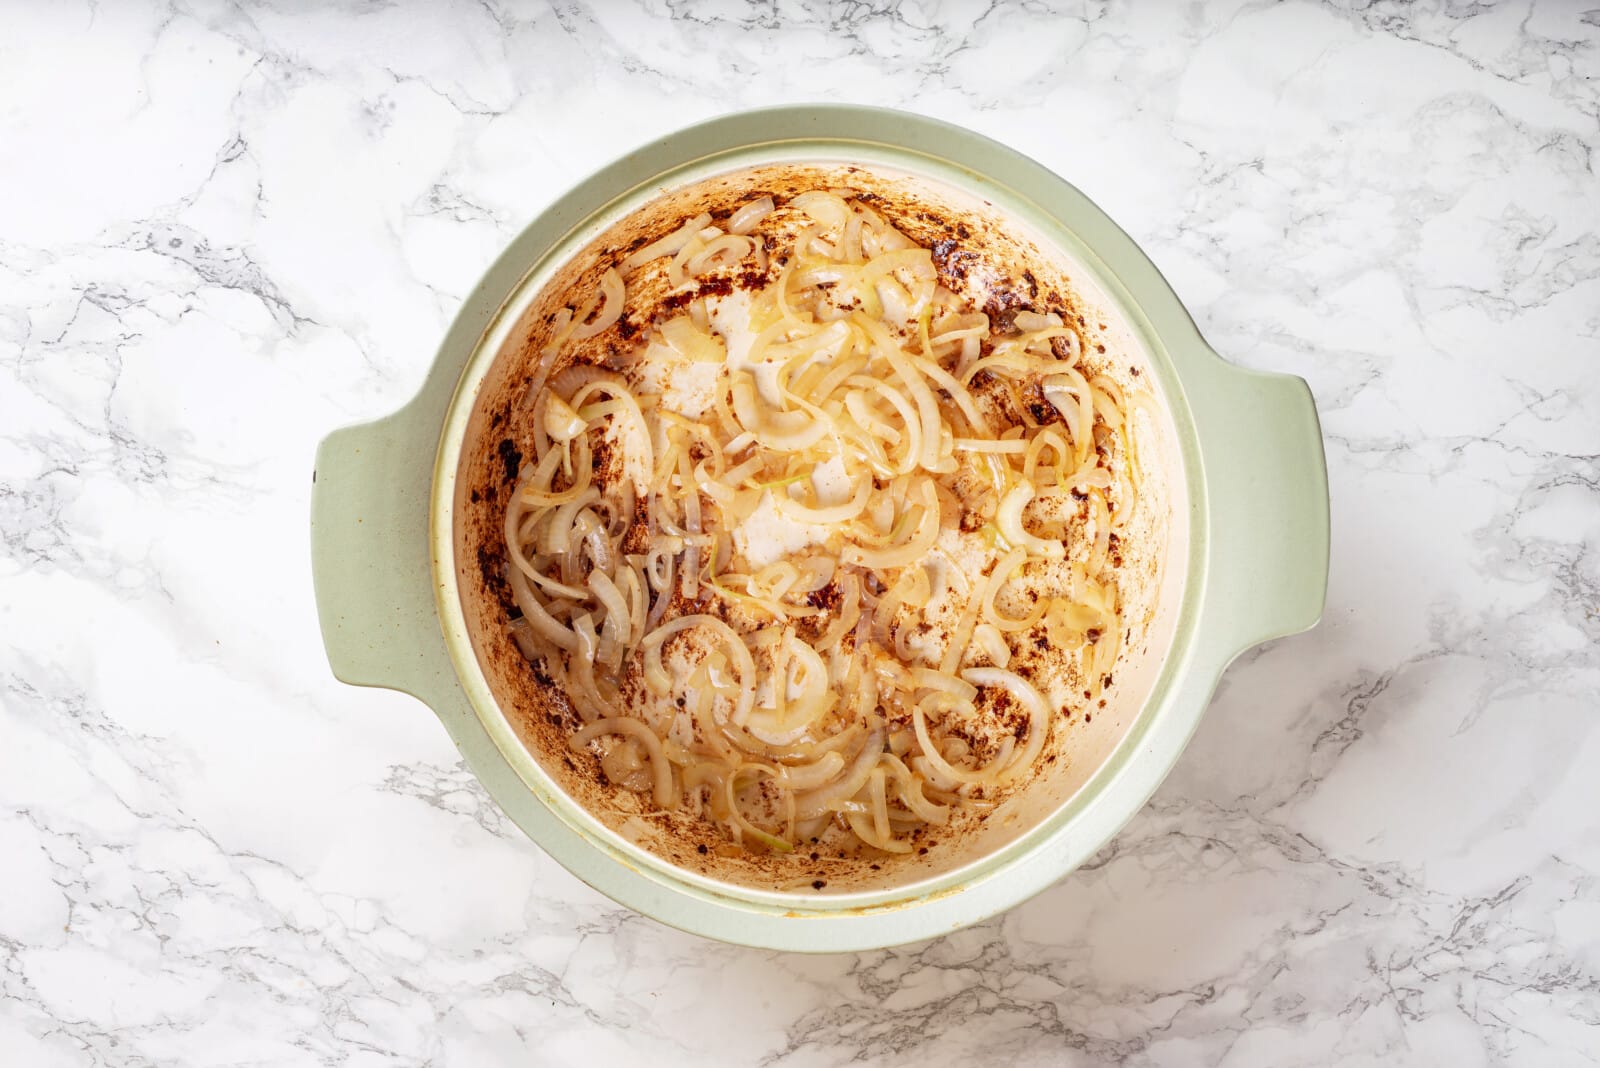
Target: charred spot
[[923, 851], [715, 287], [476, 496], [1134, 371], [1087, 718], [554, 718], [963, 231], [511, 457], [818, 884], [492, 568], [953, 262], [1062, 347], [543, 677], [997, 698], [701, 849], [826, 598], [1041, 641], [971, 520], [1079, 495], [499, 419], [752, 278], [814, 856], [637, 537], [1033, 284], [1101, 349], [626, 328], [1106, 681], [1038, 406]]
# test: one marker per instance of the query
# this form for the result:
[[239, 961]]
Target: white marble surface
[[225, 230]]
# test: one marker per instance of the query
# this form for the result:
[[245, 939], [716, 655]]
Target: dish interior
[[1004, 266]]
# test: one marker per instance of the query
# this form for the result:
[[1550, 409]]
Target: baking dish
[[404, 605]]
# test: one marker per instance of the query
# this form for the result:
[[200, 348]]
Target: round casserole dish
[[405, 517]]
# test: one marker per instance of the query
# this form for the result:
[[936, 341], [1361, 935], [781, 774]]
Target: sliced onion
[[1029, 698], [560, 421], [616, 295], [724, 251], [666, 246], [815, 802], [744, 664], [988, 639], [827, 209], [660, 767], [919, 722], [914, 549], [1009, 519], [749, 215], [838, 513]]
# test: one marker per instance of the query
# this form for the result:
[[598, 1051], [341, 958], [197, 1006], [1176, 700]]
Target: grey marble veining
[[225, 229]]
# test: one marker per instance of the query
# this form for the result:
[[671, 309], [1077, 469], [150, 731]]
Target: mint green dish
[[1249, 559]]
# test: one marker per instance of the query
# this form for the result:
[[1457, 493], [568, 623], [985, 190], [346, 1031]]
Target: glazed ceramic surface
[[1247, 553]]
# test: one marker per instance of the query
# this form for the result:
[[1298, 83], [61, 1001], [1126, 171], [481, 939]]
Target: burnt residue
[[492, 568], [602, 462], [510, 459], [637, 537], [1002, 306], [827, 598], [1038, 405], [954, 262], [1062, 347]]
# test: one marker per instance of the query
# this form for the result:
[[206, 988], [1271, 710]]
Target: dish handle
[[370, 556], [1267, 483]]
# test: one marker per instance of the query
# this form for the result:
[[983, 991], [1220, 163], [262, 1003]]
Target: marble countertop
[[227, 229]]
